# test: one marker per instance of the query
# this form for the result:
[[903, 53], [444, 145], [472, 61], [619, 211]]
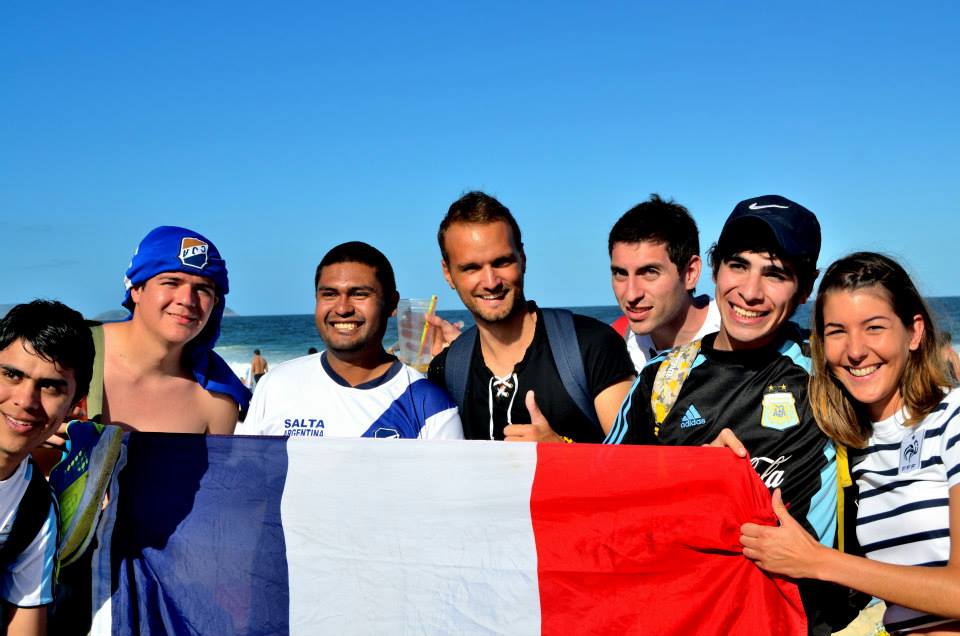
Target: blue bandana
[[177, 249]]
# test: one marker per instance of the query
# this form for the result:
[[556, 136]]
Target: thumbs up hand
[[538, 430], [787, 549]]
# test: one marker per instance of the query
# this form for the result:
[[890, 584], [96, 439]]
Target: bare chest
[[172, 405]]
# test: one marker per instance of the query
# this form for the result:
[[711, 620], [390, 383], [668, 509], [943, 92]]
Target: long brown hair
[[924, 376]]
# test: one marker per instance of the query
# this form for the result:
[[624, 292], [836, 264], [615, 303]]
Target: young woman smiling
[[880, 387]]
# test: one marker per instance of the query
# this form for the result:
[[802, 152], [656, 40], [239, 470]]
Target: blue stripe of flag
[[191, 508]]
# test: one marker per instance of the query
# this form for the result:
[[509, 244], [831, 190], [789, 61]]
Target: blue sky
[[282, 129]]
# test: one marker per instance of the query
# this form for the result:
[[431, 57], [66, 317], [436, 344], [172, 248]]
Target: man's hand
[[538, 430], [727, 439], [444, 333], [787, 550], [57, 440]]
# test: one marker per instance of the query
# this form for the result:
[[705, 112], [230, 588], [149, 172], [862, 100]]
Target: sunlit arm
[[608, 402], [25, 621], [790, 551]]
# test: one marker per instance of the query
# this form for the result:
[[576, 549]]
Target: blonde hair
[[924, 377]]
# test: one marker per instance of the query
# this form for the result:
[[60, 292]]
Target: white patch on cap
[[193, 252]]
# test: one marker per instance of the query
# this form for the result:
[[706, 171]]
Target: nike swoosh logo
[[754, 206]]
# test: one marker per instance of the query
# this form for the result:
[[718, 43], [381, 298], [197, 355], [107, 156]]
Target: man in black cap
[[746, 386]]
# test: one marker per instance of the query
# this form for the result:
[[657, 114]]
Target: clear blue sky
[[282, 129]]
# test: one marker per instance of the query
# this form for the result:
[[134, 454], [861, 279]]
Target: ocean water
[[281, 338]]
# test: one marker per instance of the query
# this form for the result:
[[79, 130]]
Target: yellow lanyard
[[671, 375]]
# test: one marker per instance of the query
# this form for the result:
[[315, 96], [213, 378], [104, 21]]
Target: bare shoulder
[[222, 413], [113, 336]]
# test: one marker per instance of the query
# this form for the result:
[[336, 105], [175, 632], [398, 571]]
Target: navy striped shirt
[[904, 476]]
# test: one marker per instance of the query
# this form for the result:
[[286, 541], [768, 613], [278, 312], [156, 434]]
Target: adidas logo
[[691, 418]]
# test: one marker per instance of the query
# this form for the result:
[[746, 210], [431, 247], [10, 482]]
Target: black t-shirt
[[605, 361]]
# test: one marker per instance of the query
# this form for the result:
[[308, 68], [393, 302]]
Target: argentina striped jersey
[[304, 397]]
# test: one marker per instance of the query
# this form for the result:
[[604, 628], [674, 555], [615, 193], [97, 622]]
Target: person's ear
[[916, 332], [446, 273], [392, 303], [691, 273]]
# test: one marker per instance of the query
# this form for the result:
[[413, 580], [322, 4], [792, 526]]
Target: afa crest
[[779, 409], [193, 252]]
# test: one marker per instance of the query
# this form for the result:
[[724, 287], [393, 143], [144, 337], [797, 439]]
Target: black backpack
[[562, 339]]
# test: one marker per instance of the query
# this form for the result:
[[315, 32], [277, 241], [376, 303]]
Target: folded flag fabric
[[250, 535]]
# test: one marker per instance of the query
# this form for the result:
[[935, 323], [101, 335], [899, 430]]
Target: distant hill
[[113, 315]]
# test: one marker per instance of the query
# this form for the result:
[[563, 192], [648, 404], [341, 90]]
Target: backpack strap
[[32, 512], [562, 337], [457, 370], [94, 406], [671, 375]]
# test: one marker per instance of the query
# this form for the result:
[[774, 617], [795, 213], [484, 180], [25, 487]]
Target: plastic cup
[[411, 320]]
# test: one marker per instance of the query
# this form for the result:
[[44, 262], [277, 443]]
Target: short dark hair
[[256, 352], [760, 239], [56, 333], [365, 254], [659, 221], [477, 207]]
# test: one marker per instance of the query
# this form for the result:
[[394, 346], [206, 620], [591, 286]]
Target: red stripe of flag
[[656, 549]]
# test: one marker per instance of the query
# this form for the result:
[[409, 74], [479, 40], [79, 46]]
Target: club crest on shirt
[[193, 252], [910, 449], [779, 408]]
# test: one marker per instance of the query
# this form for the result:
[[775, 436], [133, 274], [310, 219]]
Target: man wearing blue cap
[[160, 372]]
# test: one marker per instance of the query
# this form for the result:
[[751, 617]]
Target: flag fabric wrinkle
[[249, 535]]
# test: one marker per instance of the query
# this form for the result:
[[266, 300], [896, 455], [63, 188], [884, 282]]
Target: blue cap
[[177, 249], [794, 228]]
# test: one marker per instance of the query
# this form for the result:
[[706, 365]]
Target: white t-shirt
[[642, 349], [904, 477], [28, 580], [305, 397]]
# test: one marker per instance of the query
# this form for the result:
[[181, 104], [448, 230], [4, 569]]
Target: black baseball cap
[[794, 227]]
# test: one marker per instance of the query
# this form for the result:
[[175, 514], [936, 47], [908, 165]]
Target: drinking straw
[[426, 326]]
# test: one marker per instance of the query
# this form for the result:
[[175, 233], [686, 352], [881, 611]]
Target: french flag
[[253, 535]]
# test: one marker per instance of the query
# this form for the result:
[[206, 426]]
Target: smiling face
[[867, 347], [650, 290], [756, 295], [174, 305], [351, 311], [486, 268], [35, 396]]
